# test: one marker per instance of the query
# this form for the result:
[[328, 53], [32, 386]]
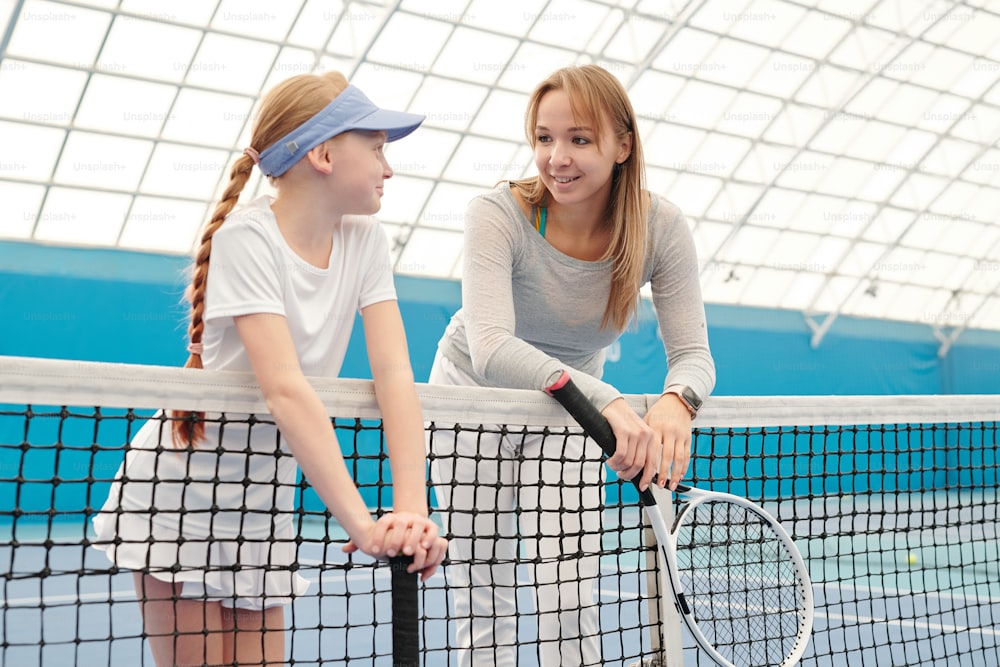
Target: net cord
[[27, 380]]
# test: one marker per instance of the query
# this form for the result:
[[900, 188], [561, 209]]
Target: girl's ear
[[624, 149], [321, 157]]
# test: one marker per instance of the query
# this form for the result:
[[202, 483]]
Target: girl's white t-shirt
[[231, 485]]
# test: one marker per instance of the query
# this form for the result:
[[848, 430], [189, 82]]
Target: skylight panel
[[736, 199], [19, 213], [749, 245], [985, 169], [430, 253], [484, 162], [767, 22], [315, 23], [127, 106], [718, 15], [567, 23], [988, 316], [763, 285], [230, 64], [794, 124], [870, 50], [356, 28], [256, 18], [671, 145], [21, 98], [635, 37], [942, 69], [531, 63], [164, 225], [473, 55], [979, 124], [865, 259], [127, 50], [501, 116], [195, 12], [424, 153], [439, 98], [29, 153], [738, 63], [918, 191], [921, 304], [781, 74], [718, 155], [389, 86], [908, 153], [404, 198], [701, 104], [694, 192], [955, 199], [291, 62], [499, 16], [397, 49], [208, 119], [983, 206], [829, 87], [100, 161], [807, 171], [686, 52], [949, 157], [726, 283], [58, 33], [81, 217], [185, 171], [445, 208], [793, 251], [835, 292], [653, 93], [764, 163], [887, 226], [816, 35], [799, 293]]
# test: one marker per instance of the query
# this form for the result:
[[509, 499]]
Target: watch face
[[692, 398]]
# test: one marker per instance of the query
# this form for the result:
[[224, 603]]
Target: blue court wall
[[126, 307]]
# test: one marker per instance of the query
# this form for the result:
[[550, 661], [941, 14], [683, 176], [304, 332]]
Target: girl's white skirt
[[246, 574]]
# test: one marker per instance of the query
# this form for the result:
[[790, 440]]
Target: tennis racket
[[738, 580], [405, 614]]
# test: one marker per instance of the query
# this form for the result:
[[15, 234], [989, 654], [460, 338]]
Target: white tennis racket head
[[741, 585]]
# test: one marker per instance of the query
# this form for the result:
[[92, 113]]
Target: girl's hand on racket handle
[[637, 448], [405, 533], [671, 422]]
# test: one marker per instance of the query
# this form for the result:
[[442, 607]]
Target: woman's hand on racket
[[671, 422], [637, 450], [404, 533]]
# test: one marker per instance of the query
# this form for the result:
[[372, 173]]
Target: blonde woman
[[553, 265], [275, 288]]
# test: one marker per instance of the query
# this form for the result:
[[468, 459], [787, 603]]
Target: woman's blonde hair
[[287, 106], [596, 97]]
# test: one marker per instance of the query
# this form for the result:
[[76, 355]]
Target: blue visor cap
[[350, 110]]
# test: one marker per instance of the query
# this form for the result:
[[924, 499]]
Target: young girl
[[275, 289], [553, 266]]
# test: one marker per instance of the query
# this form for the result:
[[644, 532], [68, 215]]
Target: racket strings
[[740, 583]]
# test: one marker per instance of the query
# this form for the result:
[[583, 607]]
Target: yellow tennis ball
[[912, 559]]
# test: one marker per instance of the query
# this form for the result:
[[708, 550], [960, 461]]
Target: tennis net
[[891, 500]]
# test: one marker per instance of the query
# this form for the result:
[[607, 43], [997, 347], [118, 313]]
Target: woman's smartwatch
[[689, 398]]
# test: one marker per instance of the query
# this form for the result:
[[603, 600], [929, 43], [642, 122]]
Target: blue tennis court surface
[[897, 601]]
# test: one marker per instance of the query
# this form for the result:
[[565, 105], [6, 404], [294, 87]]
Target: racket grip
[[593, 422], [405, 613]]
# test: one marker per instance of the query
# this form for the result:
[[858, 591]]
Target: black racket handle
[[405, 614], [593, 422]]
